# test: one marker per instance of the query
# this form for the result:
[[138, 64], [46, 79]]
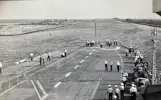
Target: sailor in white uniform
[[118, 66], [65, 52], [122, 88], [111, 65], [133, 91], [117, 91], [0, 67], [110, 92], [31, 56], [106, 65]]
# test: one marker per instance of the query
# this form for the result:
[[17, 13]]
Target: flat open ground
[[75, 77], [15, 48]]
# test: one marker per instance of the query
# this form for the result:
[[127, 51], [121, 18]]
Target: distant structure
[[157, 6], [154, 71]]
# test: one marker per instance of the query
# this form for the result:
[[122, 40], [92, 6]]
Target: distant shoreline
[[148, 22], [34, 31]]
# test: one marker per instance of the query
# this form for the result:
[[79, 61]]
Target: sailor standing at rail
[[31, 56], [93, 42], [125, 73], [130, 49], [109, 92], [40, 60], [109, 44], [124, 80], [65, 52], [111, 65], [141, 58], [87, 43], [0, 67], [136, 61], [118, 66], [116, 42], [48, 57], [117, 91], [106, 65], [126, 52], [133, 91], [122, 88], [43, 61], [101, 45]]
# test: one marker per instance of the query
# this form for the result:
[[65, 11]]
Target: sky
[[76, 9]]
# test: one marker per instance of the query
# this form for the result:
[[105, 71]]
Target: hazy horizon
[[77, 9]]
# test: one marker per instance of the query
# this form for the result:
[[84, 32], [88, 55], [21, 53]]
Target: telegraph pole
[[95, 27], [154, 78]]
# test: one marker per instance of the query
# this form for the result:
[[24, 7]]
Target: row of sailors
[[138, 58], [108, 42], [42, 58], [90, 43], [111, 42], [118, 92], [124, 77], [129, 50], [111, 66]]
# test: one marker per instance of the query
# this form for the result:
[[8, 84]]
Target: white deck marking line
[[76, 66], [44, 96], [117, 48], [94, 92], [68, 74], [94, 50], [86, 57], [11, 88], [107, 49], [23, 60], [42, 89], [57, 84], [90, 53], [121, 60], [36, 90], [82, 61]]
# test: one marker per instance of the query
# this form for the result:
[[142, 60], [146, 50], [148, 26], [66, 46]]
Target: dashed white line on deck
[[76, 66], [36, 90], [90, 53], [94, 92], [94, 50], [41, 88], [82, 61], [68, 74], [57, 84], [86, 57]]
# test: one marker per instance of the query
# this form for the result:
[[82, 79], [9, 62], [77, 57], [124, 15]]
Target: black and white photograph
[[80, 49]]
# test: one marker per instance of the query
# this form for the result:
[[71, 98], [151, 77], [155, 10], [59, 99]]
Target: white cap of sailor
[[115, 86], [106, 62], [118, 63], [109, 85], [132, 85], [122, 84]]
